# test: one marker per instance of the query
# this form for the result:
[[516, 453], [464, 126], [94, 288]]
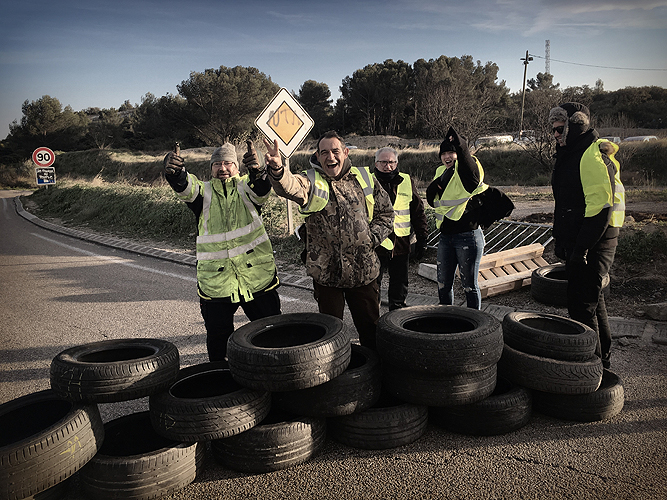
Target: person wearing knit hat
[[588, 214], [454, 195], [235, 262]]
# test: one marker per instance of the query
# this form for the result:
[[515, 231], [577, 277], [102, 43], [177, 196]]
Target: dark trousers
[[219, 319], [397, 268], [364, 304], [585, 300]]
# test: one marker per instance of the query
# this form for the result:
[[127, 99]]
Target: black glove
[[456, 139], [578, 258], [250, 158], [173, 163], [420, 249]]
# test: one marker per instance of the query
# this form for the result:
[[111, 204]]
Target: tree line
[[390, 98]]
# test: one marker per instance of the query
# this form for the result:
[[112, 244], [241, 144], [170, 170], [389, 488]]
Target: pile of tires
[[47, 436], [307, 364], [439, 355], [548, 285], [555, 357]]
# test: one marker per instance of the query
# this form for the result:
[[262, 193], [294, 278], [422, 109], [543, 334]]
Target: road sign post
[[284, 120], [45, 174]]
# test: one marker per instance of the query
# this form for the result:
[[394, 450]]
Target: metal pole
[[290, 217], [523, 97]]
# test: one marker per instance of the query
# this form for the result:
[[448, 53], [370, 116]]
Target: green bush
[[129, 211], [640, 247]]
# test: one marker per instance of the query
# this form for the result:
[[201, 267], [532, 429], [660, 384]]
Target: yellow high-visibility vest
[[452, 203], [402, 225], [597, 184], [319, 190], [234, 253]]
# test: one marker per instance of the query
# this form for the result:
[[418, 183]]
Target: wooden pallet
[[501, 272]]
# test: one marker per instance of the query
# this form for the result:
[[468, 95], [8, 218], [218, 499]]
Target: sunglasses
[[558, 129]]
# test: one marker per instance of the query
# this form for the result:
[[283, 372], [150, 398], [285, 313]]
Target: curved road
[[57, 292]]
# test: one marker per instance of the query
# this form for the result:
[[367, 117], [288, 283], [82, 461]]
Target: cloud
[[528, 17]]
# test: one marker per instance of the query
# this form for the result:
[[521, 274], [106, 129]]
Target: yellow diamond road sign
[[285, 120]]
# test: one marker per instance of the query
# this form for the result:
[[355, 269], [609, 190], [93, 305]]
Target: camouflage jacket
[[340, 242]]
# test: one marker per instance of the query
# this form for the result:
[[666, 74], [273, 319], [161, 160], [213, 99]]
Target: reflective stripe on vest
[[232, 261], [318, 197], [452, 203], [597, 184], [401, 210]]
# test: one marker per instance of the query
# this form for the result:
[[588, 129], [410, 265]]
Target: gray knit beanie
[[226, 152], [576, 116]]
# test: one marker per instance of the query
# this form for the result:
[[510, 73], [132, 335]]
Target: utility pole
[[525, 60]]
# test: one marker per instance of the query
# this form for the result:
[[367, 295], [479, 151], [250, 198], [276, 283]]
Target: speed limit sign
[[43, 157]]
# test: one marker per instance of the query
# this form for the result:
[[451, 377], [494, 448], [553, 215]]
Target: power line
[[605, 67]]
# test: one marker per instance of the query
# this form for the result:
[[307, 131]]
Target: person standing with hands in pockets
[[348, 216], [235, 263]]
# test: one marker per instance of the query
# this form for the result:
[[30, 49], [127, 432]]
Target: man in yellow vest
[[588, 215], [347, 217], [409, 221], [235, 263]]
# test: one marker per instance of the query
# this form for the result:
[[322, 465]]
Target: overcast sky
[[100, 53]]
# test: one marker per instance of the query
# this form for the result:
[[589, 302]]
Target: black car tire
[[550, 375], [279, 442], [114, 370], [602, 404], [206, 403], [507, 409], [43, 441], [136, 463], [289, 351], [356, 389], [548, 285], [549, 335], [389, 423], [439, 339], [427, 389]]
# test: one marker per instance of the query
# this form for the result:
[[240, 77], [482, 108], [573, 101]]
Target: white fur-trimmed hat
[[576, 116]]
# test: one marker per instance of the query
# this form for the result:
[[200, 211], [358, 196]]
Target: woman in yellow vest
[[588, 215], [452, 193]]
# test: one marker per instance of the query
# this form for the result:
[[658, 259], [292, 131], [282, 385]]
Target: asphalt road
[[58, 291]]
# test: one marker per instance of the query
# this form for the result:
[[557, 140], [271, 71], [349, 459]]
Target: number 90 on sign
[[43, 157]]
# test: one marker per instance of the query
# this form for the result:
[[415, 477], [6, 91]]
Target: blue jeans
[[465, 251]]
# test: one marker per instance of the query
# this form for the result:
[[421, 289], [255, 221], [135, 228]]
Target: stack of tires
[[445, 358], [555, 357], [301, 362], [49, 435], [321, 384]]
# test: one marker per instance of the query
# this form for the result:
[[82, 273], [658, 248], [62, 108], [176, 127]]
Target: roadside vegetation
[[125, 194]]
